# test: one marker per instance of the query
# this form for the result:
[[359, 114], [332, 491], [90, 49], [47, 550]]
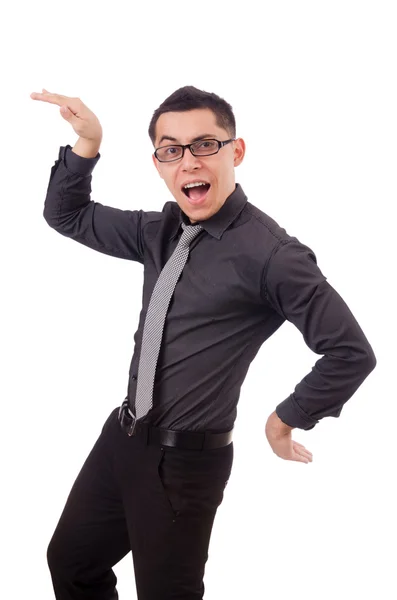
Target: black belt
[[190, 440]]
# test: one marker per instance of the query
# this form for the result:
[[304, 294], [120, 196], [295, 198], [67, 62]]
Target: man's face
[[217, 170]]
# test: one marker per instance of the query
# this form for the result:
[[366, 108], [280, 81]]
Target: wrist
[[276, 427], [87, 148]]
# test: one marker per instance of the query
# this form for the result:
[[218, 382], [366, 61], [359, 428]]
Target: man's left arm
[[296, 288]]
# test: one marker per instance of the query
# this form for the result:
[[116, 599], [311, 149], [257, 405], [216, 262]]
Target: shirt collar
[[220, 221]]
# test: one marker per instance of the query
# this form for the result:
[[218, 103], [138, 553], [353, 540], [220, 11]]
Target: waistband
[[190, 440]]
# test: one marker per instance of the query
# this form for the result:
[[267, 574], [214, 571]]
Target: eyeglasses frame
[[220, 145]]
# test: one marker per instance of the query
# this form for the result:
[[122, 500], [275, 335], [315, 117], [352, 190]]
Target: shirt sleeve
[[69, 210], [297, 289]]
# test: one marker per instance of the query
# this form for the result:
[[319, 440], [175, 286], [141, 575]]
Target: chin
[[197, 213], [201, 215]]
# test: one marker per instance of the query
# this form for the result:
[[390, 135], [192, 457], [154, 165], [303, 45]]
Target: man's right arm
[[86, 148], [69, 210]]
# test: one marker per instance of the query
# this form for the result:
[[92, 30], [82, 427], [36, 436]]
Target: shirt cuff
[[291, 414], [77, 164]]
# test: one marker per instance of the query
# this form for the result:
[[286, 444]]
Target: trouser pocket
[[171, 481], [193, 482]]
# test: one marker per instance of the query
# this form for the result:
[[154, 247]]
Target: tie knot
[[189, 233]]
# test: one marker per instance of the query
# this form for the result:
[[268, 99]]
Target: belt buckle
[[123, 409], [131, 429]]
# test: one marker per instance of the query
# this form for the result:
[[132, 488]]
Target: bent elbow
[[368, 361], [50, 218]]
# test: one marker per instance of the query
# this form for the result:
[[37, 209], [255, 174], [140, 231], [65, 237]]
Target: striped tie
[[155, 319]]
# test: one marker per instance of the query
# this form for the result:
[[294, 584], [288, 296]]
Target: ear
[[157, 165], [239, 151]]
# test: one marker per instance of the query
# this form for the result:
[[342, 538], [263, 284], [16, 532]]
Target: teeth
[[190, 185]]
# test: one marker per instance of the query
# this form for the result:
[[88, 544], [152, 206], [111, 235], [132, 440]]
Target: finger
[[301, 458], [52, 98], [300, 447], [298, 444], [294, 456], [47, 97], [304, 454]]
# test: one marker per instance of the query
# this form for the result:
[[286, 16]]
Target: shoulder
[[279, 250], [155, 217], [266, 225]]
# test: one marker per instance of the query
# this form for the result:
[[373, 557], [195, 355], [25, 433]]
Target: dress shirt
[[245, 276]]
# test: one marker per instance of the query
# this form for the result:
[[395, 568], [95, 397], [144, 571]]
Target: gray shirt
[[244, 277]]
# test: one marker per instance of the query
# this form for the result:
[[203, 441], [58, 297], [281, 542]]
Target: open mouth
[[197, 191]]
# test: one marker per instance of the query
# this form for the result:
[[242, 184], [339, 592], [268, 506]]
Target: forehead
[[187, 125]]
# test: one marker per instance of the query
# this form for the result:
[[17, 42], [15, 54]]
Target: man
[[220, 277]]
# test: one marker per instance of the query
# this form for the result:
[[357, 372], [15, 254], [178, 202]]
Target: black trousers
[[157, 501]]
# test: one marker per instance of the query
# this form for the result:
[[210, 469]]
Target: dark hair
[[189, 98]]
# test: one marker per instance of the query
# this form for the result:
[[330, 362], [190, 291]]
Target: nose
[[189, 162]]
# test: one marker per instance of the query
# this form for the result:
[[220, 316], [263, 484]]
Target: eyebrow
[[196, 139]]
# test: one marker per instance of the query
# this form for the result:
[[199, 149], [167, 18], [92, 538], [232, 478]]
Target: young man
[[220, 277]]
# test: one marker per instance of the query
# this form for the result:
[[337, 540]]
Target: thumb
[[66, 113]]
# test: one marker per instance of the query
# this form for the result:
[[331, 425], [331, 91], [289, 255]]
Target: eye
[[171, 150], [206, 144]]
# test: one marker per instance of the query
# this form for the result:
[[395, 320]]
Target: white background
[[313, 87]]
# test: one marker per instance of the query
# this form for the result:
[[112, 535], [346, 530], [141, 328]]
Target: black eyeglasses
[[200, 148]]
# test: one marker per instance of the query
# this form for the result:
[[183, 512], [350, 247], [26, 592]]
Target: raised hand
[[84, 122]]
